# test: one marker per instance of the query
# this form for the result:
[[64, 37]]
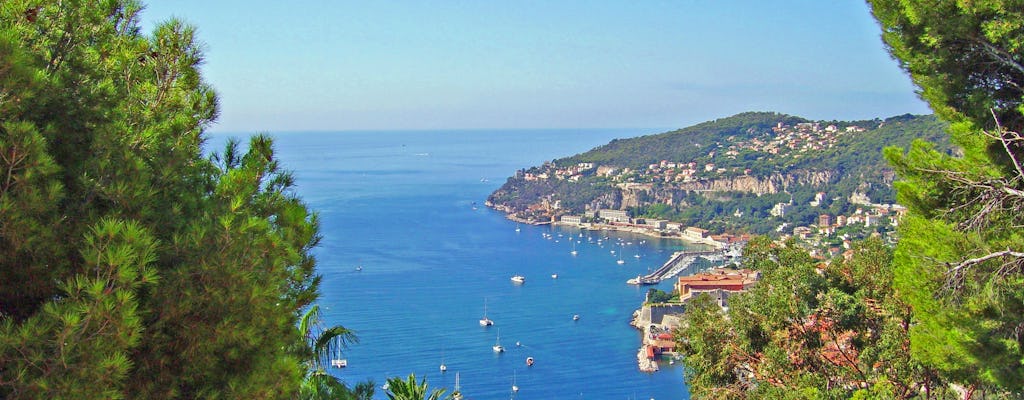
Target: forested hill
[[724, 174]]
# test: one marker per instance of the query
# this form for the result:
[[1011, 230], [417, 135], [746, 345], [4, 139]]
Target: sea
[[412, 259]]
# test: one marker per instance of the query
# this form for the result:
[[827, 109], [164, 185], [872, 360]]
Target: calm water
[[408, 208]]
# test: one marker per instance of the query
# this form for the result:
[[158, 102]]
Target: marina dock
[[679, 261]]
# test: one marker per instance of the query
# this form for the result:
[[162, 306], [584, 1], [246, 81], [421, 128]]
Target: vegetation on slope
[[940, 315]]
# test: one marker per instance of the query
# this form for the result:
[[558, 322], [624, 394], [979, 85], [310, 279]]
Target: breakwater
[[680, 261]]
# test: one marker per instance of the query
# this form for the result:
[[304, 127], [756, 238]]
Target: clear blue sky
[[341, 65]]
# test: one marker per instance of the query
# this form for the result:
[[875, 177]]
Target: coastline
[[640, 231]]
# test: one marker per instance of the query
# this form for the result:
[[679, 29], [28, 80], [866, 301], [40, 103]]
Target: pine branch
[[1015, 137], [955, 276]]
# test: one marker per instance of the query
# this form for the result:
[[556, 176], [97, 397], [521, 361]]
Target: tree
[[130, 264], [409, 389], [806, 331], [321, 346], [960, 259]]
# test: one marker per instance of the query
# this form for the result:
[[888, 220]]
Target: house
[[719, 284]]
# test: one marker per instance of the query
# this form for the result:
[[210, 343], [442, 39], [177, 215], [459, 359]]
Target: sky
[[321, 65]]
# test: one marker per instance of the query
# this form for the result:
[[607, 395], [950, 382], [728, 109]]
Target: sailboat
[[443, 367], [574, 252], [514, 387], [457, 394], [497, 344], [485, 321], [620, 262]]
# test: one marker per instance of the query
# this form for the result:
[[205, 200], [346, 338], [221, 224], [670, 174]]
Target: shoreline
[[641, 231]]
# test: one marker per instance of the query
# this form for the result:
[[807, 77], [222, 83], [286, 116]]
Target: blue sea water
[[407, 207]]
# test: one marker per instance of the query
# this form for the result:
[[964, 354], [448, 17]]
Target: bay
[[410, 256]]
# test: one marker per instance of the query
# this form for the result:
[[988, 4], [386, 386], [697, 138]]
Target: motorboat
[[529, 361], [518, 279]]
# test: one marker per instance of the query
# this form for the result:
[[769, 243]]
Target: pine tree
[[130, 264], [960, 260]]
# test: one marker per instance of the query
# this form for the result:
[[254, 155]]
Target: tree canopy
[[131, 265], [960, 259]]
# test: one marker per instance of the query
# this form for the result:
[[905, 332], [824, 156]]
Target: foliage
[[655, 295], [410, 389], [130, 265], [321, 346], [805, 331], [961, 256]]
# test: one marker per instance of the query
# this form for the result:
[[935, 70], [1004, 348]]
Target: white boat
[[529, 361], [339, 363], [554, 276], [518, 279], [574, 252], [443, 367], [514, 387], [497, 344], [575, 317], [457, 394], [485, 321]]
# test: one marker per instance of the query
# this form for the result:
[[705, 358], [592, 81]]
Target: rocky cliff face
[[638, 194], [770, 185]]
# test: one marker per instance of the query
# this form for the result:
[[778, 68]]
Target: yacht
[[485, 321], [518, 279], [457, 394], [497, 344]]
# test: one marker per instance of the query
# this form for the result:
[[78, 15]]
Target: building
[[656, 223], [614, 215], [779, 210], [824, 220], [695, 233], [572, 219], [719, 284]]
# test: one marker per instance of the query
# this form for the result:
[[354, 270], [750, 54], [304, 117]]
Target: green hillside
[[726, 174]]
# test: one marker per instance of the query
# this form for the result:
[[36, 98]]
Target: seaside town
[[828, 235]]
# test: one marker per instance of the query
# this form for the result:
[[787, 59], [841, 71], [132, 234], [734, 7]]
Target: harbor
[[679, 262]]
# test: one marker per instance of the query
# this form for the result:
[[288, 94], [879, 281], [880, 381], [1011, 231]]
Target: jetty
[[679, 261]]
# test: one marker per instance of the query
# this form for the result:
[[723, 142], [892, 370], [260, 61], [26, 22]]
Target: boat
[[529, 361], [457, 393], [518, 279], [574, 252], [443, 367], [517, 228], [514, 387], [339, 363], [497, 344], [554, 276], [575, 317], [359, 267], [485, 321]]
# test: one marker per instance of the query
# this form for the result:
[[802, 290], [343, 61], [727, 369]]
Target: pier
[[679, 261]]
